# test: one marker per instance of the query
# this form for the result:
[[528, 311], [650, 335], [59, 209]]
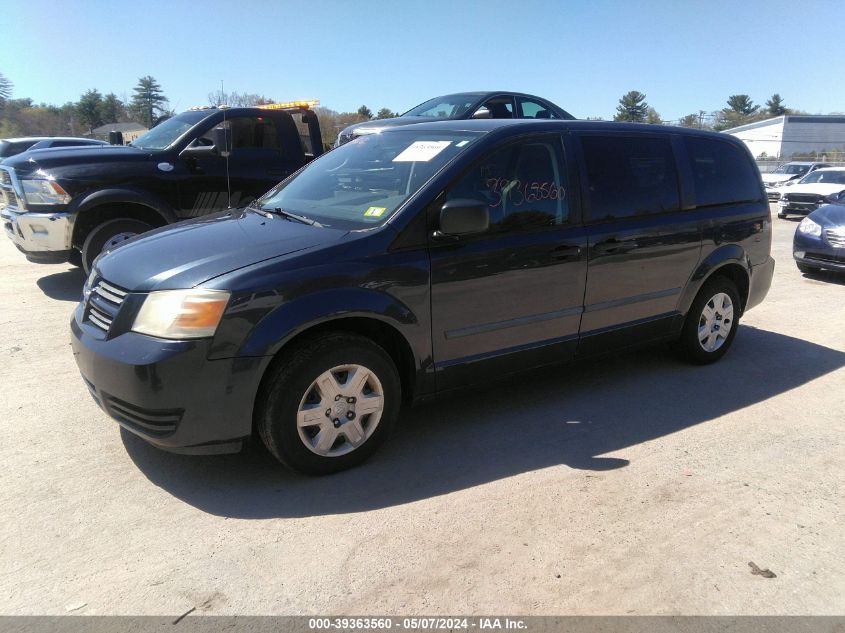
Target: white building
[[784, 136]]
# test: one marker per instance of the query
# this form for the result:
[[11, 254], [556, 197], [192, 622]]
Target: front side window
[[722, 173], [247, 133], [360, 184], [629, 176], [498, 108], [522, 184]]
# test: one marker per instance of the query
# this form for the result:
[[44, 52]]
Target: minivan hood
[[189, 253]]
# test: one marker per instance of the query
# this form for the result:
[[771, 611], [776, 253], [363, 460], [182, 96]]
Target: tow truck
[[69, 205]]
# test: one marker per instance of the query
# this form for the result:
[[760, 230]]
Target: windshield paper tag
[[375, 212], [422, 151]]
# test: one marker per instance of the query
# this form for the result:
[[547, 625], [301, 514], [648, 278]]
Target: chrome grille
[[7, 189], [103, 303], [835, 237]]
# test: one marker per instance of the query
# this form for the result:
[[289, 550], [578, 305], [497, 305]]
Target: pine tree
[[742, 104], [112, 109], [775, 106], [5, 90], [88, 109], [148, 101], [632, 107], [365, 112]]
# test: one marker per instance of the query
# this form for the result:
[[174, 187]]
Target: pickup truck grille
[[7, 189], [835, 237], [103, 303]]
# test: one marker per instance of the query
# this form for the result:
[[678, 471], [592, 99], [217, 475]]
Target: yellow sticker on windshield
[[374, 212]]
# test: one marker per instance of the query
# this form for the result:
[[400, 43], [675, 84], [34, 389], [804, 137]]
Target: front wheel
[[108, 235], [329, 403], [711, 322]]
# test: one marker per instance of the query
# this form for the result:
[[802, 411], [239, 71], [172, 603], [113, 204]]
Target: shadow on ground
[[571, 415], [826, 276], [63, 286]]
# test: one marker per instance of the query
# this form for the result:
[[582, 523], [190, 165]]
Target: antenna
[[227, 136]]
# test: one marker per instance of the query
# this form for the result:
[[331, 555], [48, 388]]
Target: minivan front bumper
[[168, 392]]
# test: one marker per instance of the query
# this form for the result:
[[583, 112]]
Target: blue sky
[[684, 56]]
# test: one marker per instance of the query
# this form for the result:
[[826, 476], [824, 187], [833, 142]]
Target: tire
[[102, 235], [719, 295], [290, 394], [75, 258], [807, 270]]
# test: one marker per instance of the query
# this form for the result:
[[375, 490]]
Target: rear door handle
[[564, 252], [614, 245]]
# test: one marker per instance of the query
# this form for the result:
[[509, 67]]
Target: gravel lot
[[638, 485]]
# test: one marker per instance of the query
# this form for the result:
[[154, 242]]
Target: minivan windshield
[[360, 184], [833, 177], [165, 133]]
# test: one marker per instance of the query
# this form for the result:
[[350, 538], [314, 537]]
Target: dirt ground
[[637, 485]]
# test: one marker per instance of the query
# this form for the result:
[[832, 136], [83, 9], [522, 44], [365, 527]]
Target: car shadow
[[570, 415], [826, 276], [63, 286]]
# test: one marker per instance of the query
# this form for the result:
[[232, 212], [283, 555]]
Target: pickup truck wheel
[[329, 403], [108, 235], [711, 322]]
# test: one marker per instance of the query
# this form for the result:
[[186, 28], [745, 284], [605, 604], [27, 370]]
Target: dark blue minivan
[[416, 261]]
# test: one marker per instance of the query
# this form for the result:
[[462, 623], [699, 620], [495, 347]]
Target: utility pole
[[700, 118]]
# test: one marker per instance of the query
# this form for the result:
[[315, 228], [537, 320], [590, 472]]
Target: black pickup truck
[[71, 204]]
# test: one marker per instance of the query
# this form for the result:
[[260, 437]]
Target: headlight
[[43, 191], [808, 227], [181, 314]]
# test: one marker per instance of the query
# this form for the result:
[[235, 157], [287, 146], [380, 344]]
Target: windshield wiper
[[293, 216]]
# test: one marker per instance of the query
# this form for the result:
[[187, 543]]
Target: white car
[[813, 190], [786, 175]]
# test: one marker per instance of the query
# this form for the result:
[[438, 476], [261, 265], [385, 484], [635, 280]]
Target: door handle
[[614, 245], [564, 252]]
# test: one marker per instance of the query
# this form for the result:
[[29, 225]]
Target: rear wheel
[[328, 403], [109, 235], [711, 322]]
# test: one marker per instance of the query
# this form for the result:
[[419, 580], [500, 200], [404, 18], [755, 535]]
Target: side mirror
[[222, 139], [481, 113], [463, 217]]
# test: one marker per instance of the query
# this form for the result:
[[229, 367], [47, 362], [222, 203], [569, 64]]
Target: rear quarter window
[[722, 172]]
